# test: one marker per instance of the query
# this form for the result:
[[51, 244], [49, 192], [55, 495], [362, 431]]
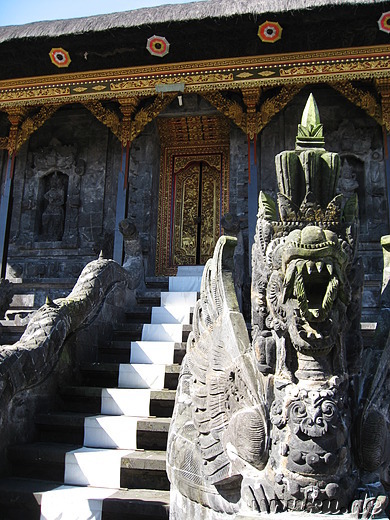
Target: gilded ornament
[[361, 98]]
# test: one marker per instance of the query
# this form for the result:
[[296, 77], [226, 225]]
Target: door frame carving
[[207, 141]]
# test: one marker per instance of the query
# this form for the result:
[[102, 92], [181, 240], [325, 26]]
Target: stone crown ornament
[[286, 422]]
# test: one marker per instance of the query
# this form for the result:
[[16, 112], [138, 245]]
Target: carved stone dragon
[[285, 422]]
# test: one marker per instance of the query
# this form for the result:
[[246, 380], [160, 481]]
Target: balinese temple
[[171, 117]]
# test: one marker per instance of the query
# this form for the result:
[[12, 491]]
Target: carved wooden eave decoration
[[24, 123], [197, 77], [127, 128], [252, 76], [364, 99]]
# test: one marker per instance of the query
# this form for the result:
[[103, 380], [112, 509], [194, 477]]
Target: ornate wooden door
[[196, 219], [193, 189]]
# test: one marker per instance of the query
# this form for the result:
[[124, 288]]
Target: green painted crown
[[310, 131]]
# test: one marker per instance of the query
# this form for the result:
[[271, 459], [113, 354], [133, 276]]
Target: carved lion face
[[311, 283]]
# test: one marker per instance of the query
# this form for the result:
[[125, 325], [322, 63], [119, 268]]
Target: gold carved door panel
[[196, 213]]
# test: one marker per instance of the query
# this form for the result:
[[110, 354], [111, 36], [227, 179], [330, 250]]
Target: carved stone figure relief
[[287, 422], [51, 197], [53, 216]]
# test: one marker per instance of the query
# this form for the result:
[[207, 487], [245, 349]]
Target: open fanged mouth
[[312, 263], [315, 286]]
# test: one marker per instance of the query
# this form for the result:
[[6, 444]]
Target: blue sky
[[16, 12]]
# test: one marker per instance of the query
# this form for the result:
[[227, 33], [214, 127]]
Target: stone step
[[151, 299], [41, 460], [84, 466], [20, 499], [184, 283], [110, 374], [139, 315], [120, 351], [157, 282], [10, 333], [190, 270], [144, 469], [68, 428], [89, 399]]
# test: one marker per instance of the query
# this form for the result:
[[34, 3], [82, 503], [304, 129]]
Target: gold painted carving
[[189, 130], [251, 97], [230, 109], [105, 116], [15, 116], [272, 106], [187, 220], [178, 155], [383, 86], [361, 98], [200, 76], [131, 124], [182, 161], [3, 143], [32, 123], [146, 115], [252, 122]]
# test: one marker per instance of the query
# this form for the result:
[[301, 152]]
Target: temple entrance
[[193, 194], [196, 213]]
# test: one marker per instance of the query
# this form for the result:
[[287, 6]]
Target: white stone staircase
[[92, 472]]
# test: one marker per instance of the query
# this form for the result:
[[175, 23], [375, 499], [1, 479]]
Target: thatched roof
[[165, 14]]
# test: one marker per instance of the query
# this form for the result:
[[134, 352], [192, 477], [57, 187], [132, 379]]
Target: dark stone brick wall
[[97, 161], [91, 194], [144, 171]]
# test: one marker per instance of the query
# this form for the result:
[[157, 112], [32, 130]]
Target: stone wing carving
[[220, 423]]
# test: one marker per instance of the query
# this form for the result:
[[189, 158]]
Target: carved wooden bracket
[[383, 86], [251, 98], [361, 98], [23, 125], [127, 128], [254, 119], [228, 108], [105, 116]]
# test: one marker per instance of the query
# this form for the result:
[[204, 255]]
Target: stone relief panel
[[51, 198]]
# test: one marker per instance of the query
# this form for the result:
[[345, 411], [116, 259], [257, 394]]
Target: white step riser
[[159, 352], [162, 332], [179, 299], [177, 314], [184, 283], [141, 376], [111, 432], [70, 503], [94, 467], [123, 401], [190, 270]]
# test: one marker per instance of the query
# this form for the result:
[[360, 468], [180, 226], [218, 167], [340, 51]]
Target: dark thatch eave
[[165, 14]]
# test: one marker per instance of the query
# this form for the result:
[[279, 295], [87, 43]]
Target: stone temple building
[[171, 117]]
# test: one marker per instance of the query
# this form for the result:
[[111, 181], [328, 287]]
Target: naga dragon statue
[[292, 421]]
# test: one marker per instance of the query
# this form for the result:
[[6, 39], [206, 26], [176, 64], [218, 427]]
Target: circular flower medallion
[[270, 32], [60, 57], [384, 22], [157, 46]]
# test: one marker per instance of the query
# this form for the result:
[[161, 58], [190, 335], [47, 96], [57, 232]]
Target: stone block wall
[[77, 154]]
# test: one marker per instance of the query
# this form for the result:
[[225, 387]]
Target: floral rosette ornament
[[384, 22], [60, 57], [270, 32], [157, 46]]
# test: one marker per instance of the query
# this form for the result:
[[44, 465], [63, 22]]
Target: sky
[[17, 12]]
